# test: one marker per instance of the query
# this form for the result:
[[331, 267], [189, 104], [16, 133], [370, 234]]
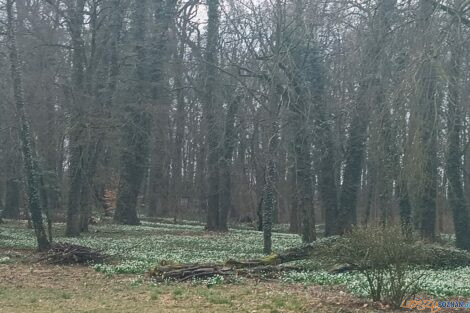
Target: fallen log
[[273, 265], [268, 266], [313, 249], [184, 272]]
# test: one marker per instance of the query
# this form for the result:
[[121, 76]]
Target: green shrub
[[385, 257]]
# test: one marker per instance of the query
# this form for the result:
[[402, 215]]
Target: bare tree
[[32, 170]]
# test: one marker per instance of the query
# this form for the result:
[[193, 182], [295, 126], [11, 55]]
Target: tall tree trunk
[[177, 162], [301, 108], [268, 201], [77, 132], [159, 170], [294, 218], [210, 112], [29, 156], [201, 171], [327, 166], [304, 183], [94, 150], [96, 77], [370, 90], [454, 153], [327, 182], [135, 153], [258, 169], [426, 103], [105, 94], [229, 142]]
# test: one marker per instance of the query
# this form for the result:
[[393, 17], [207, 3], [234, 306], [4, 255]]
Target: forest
[[234, 155]]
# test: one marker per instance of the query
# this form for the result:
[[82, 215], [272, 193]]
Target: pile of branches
[[264, 268], [271, 266], [184, 272], [66, 253]]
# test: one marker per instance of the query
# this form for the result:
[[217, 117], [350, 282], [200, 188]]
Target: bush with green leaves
[[386, 258]]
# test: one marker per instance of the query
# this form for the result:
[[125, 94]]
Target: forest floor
[[122, 286], [45, 288]]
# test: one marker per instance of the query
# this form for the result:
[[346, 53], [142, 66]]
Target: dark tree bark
[[369, 92], [105, 96], [324, 139], [75, 21], [294, 218], [159, 170], [304, 184], [225, 163], [29, 156], [327, 181], [257, 161], [210, 112], [404, 205], [301, 108], [135, 153], [426, 102], [454, 153], [96, 75], [268, 201], [177, 162]]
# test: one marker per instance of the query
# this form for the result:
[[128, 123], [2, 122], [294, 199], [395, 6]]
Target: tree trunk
[[427, 113], [210, 111], [302, 137], [225, 199], [135, 153], [77, 132], [29, 156], [159, 170], [370, 91], [177, 162], [304, 184], [327, 181], [269, 193], [294, 218], [454, 154]]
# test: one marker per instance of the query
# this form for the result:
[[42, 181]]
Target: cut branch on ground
[[272, 265]]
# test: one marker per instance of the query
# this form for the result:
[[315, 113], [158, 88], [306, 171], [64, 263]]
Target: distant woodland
[[301, 112]]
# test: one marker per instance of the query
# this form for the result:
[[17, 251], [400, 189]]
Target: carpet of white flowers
[[134, 249], [440, 284]]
